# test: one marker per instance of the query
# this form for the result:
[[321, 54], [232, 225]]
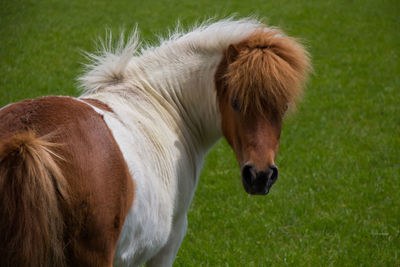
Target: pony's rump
[[31, 185], [65, 188]]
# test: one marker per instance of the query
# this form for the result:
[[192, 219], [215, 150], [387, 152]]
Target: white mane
[[109, 66]]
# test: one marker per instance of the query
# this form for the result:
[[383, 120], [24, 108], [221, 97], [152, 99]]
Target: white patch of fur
[[99, 111], [165, 118], [5, 106]]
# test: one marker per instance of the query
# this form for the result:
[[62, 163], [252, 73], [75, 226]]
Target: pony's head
[[256, 81]]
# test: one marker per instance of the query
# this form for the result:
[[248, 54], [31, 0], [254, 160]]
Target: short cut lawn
[[337, 200]]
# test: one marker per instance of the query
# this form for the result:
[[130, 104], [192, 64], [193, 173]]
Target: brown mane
[[264, 73]]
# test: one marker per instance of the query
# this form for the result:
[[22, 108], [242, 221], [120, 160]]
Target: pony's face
[[255, 141], [255, 82]]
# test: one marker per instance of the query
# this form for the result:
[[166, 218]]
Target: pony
[[107, 178]]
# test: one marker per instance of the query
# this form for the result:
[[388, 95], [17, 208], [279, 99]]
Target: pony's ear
[[231, 53]]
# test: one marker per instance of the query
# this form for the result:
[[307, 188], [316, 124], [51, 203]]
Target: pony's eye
[[287, 106], [235, 105]]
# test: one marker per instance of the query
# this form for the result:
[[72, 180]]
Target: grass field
[[337, 201]]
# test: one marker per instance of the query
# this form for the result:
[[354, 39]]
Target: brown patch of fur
[[263, 73], [100, 186]]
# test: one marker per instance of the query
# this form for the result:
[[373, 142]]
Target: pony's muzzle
[[258, 182]]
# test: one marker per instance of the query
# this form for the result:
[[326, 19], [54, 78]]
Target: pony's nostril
[[273, 174], [248, 174]]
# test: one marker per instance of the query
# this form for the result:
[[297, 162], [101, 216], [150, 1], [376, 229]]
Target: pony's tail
[[32, 188]]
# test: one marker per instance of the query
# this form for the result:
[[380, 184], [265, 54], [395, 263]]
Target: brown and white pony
[[107, 178]]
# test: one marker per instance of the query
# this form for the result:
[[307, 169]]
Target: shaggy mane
[[115, 61], [264, 69], [265, 72], [108, 65]]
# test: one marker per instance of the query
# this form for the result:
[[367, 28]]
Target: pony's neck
[[183, 87], [177, 76]]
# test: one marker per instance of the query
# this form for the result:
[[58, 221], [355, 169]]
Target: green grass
[[337, 201]]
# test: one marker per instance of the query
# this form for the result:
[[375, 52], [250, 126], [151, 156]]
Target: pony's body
[[167, 100], [165, 166], [163, 109], [157, 208]]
